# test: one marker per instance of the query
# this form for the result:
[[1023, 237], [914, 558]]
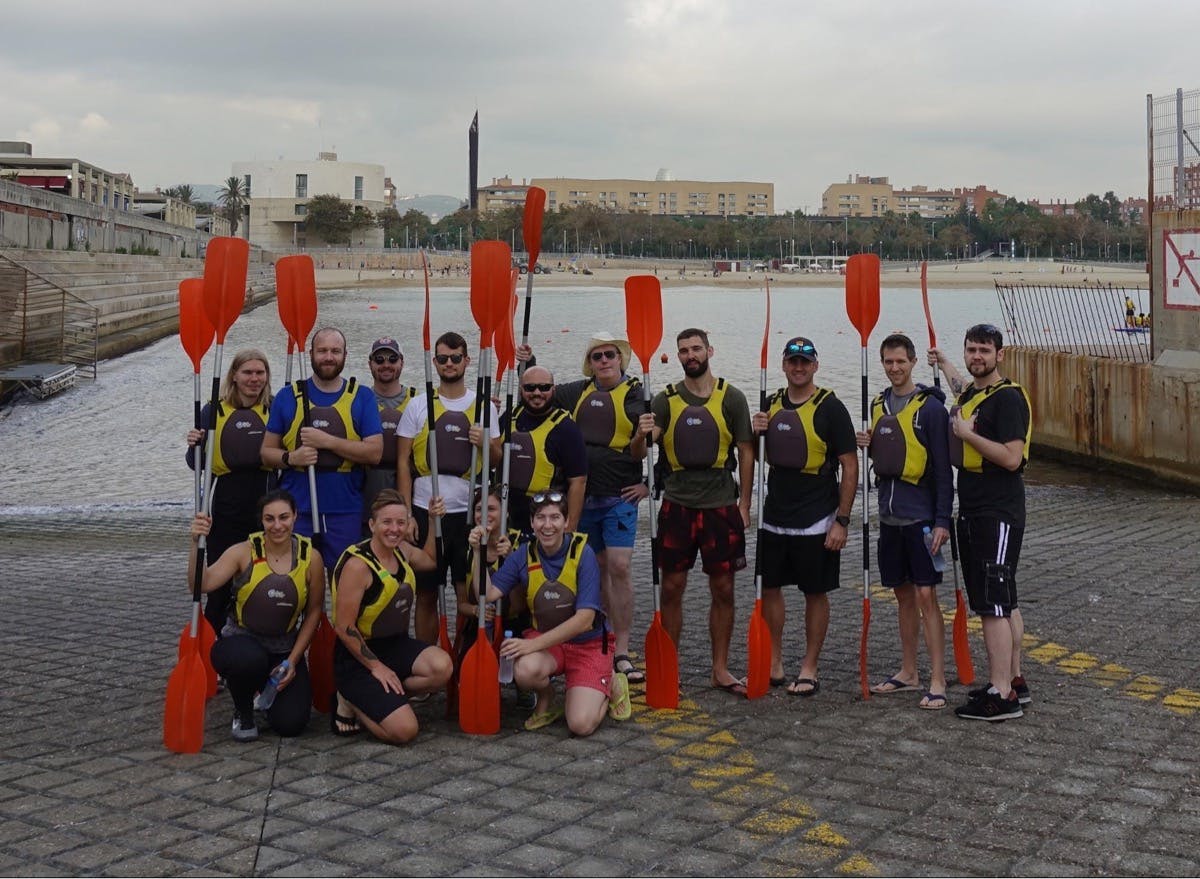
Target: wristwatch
[[844, 521], [287, 454]]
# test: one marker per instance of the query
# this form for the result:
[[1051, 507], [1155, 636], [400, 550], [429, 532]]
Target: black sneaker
[[1022, 690], [990, 707], [243, 731]]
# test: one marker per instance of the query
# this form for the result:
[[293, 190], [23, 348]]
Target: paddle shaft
[[760, 479], [525, 318], [484, 369], [650, 484], [312, 468], [502, 525]]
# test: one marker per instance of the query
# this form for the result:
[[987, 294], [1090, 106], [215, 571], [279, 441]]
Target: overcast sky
[[1036, 99]]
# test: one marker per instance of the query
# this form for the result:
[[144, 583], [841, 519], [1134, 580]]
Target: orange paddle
[[862, 307], [758, 648], [531, 231], [296, 297], [643, 325]]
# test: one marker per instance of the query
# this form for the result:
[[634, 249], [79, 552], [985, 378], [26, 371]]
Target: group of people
[[558, 570]]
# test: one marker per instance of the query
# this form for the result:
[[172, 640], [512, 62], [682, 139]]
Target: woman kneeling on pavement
[[561, 579], [277, 584], [377, 666]]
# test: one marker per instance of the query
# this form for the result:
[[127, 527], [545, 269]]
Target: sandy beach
[[675, 274]]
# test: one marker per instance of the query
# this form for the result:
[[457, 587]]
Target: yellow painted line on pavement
[[715, 762]]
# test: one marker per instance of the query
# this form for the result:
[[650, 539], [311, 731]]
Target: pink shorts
[[585, 665]]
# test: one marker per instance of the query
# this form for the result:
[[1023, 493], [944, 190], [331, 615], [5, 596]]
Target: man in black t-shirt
[[809, 436], [991, 428]]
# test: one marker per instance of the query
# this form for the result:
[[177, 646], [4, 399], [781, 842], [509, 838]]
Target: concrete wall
[[1113, 414]]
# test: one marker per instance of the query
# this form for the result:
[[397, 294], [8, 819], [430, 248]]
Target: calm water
[[121, 441]]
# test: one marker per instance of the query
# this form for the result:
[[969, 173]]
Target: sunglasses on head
[[443, 359], [554, 497], [794, 349], [544, 387], [386, 358], [609, 354]]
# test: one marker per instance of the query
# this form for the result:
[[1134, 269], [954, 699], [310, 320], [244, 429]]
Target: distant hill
[[433, 206]]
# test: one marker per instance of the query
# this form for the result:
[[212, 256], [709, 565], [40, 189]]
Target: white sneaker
[[243, 733]]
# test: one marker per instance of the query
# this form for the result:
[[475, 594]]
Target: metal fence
[[1173, 145], [1076, 318]]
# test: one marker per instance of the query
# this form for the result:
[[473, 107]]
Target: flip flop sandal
[[813, 685], [537, 721], [619, 707], [892, 685], [733, 688], [352, 722], [624, 664], [933, 702]]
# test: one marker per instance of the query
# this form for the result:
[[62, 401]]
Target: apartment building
[[864, 196], [665, 196], [66, 176]]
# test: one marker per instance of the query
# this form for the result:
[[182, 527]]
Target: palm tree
[[233, 198]]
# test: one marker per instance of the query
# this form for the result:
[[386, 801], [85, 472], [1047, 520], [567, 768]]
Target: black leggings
[[245, 664]]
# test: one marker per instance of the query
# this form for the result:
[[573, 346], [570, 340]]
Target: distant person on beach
[[333, 424], [909, 448], [991, 424], [1130, 310], [703, 423], [812, 482], [386, 362], [239, 476]]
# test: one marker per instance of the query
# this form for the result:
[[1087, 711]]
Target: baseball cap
[[800, 347], [386, 344]]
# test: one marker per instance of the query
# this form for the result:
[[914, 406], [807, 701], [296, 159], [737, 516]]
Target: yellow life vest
[[388, 601], [965, 456], [697, 437], [601, 415], [336, 419], [389, 417], [454, 445], [530, 467], [552, 602], [267, 602], [239, 435], [792, 439], [895, 449]]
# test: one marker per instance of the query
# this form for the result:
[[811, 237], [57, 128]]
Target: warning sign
[[1181, 268]]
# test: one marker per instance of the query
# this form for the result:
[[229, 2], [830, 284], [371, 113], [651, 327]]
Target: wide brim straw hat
[[601, 339]]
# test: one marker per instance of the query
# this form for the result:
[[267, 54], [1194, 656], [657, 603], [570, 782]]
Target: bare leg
[[585, 709], [909, 619], [935, 637], [425, 616], [998, 638], [617, 593], [533, 672], [1018, 635], [774, 611], [720, 626], [430, 672], [816, 625], [673, 586]]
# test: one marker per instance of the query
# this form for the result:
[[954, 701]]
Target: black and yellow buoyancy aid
[[792, 439], [239, 438], [601, 415], [388, 601], [697, 437], [335, 419], [267, 602], [453, 443], [530, 468], [552, 602], [895, 449], [389, 417], [967, 457]]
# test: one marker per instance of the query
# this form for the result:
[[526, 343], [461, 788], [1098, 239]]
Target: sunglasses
[[386, 358], [544, 387], [554, 497], [597, 356], [443, 359], [794, 350]]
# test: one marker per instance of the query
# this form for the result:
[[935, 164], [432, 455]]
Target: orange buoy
[[664, 358], [372, 307], [563, 330]]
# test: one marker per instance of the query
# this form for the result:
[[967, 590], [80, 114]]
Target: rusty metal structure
[[1076, 318]]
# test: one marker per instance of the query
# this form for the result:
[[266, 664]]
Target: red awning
[[44, 182]]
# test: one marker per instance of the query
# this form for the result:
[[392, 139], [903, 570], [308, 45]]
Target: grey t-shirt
[[709, 488]]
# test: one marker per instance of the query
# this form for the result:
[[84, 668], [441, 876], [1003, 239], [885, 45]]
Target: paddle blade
[[320, 666], [225, 265], [862, 649], [758, 673], [531, 223], [207, 638], [662, 667], [183, 709], [491, 262], [766, 328], [195, 329], [862, 293], [643, 316], [505, 343], [296, 296], [962, 649], [925, 302], [479, 690], [425, 328]]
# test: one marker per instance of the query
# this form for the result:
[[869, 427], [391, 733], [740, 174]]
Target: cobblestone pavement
[[1100, 777]]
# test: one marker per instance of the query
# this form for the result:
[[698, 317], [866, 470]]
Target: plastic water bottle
[[506, 664], [939, 560], [266, 697]]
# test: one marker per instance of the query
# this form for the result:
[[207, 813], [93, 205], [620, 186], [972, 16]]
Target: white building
[[280, 192]]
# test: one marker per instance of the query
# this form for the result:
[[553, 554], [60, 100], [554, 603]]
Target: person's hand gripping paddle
[[479, 683], [962, 649], [643, 325], [296, 290], [758, 647], [531, 231], [862, 307]]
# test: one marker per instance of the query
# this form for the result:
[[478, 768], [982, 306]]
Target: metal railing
[[45, 321], [1076, 318]]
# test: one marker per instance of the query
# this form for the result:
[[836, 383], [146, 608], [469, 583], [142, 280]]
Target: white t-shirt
[[456, 491]]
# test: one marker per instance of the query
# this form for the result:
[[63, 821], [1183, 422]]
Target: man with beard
[[991, 426], [456, 435], [806, 512], [547, 451], [386, 363], [341, 435], [701, 422]]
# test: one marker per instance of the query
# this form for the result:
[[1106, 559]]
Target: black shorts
[[454, 550], [718, 534], [356, 683], [801, 560], [903, 557], [989, 550]]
